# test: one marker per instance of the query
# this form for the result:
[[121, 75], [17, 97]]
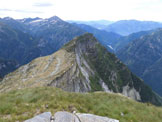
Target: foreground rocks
[[69, 117], [44, 117]]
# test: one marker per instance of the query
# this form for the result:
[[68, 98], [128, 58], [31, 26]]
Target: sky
[[83, 9]]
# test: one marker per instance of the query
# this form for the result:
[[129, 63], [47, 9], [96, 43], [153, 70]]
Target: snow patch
[[38, 20], [110, 47]]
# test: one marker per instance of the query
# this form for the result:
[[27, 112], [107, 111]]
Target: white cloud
[[43, 4], [84, 9]]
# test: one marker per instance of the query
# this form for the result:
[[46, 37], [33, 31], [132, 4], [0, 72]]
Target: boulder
[[63, 116], [94, 118], [44, 117]]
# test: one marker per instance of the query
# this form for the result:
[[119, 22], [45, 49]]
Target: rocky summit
[[63, 116], [82, 65]]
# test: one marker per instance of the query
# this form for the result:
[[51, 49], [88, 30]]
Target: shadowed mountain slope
[[143, 57]]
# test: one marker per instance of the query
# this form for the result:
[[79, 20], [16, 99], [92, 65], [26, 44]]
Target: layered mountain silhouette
[[98, 24], [125, 40], [107, 39], [53, 31], [14, 24], [126, 27], [14, 44], [35, 37], [26, 39], [23, 40], [143, 57], [82, 65], [112, 41]]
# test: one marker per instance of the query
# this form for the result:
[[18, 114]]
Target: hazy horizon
[[84, 10], [81, 20]]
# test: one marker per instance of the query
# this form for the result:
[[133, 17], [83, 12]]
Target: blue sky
[[83, 9]]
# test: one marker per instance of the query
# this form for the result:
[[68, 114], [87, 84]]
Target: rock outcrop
[[69, 117], [44, 117]]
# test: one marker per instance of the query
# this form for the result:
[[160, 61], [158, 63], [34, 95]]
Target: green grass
[[24, 104]]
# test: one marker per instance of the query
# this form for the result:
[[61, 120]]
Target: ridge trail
[[57, 66]]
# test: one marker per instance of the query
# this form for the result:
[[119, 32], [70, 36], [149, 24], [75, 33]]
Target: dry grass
[[39, 72]]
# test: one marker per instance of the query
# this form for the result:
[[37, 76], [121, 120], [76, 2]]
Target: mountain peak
[[86, 40], [8, 18], [82, 65], [86, 37], [55, 18], [26, 20]]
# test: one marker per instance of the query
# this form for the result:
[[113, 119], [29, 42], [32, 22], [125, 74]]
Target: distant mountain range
[[40, 68], [112, 41], [23, 40], [35, 37], [143, 56], [100, 24], [51, 33], [126, 27], [26, 39], [107, 39], [125, 40], [14, 44], [122, 27], [82, 65], [113, 38]]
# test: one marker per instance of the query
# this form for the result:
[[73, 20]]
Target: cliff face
[[82, 65]]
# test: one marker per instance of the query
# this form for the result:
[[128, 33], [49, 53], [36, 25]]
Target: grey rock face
[[94, 118], [69, 117], [44, 117], [65, 117]]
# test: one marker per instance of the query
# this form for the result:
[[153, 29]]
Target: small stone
[[74, 112], [46, 106], [122, 114]]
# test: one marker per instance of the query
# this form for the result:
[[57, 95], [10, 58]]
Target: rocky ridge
[[82, 65]]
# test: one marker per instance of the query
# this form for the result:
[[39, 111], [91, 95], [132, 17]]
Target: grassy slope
[[24, 104]]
